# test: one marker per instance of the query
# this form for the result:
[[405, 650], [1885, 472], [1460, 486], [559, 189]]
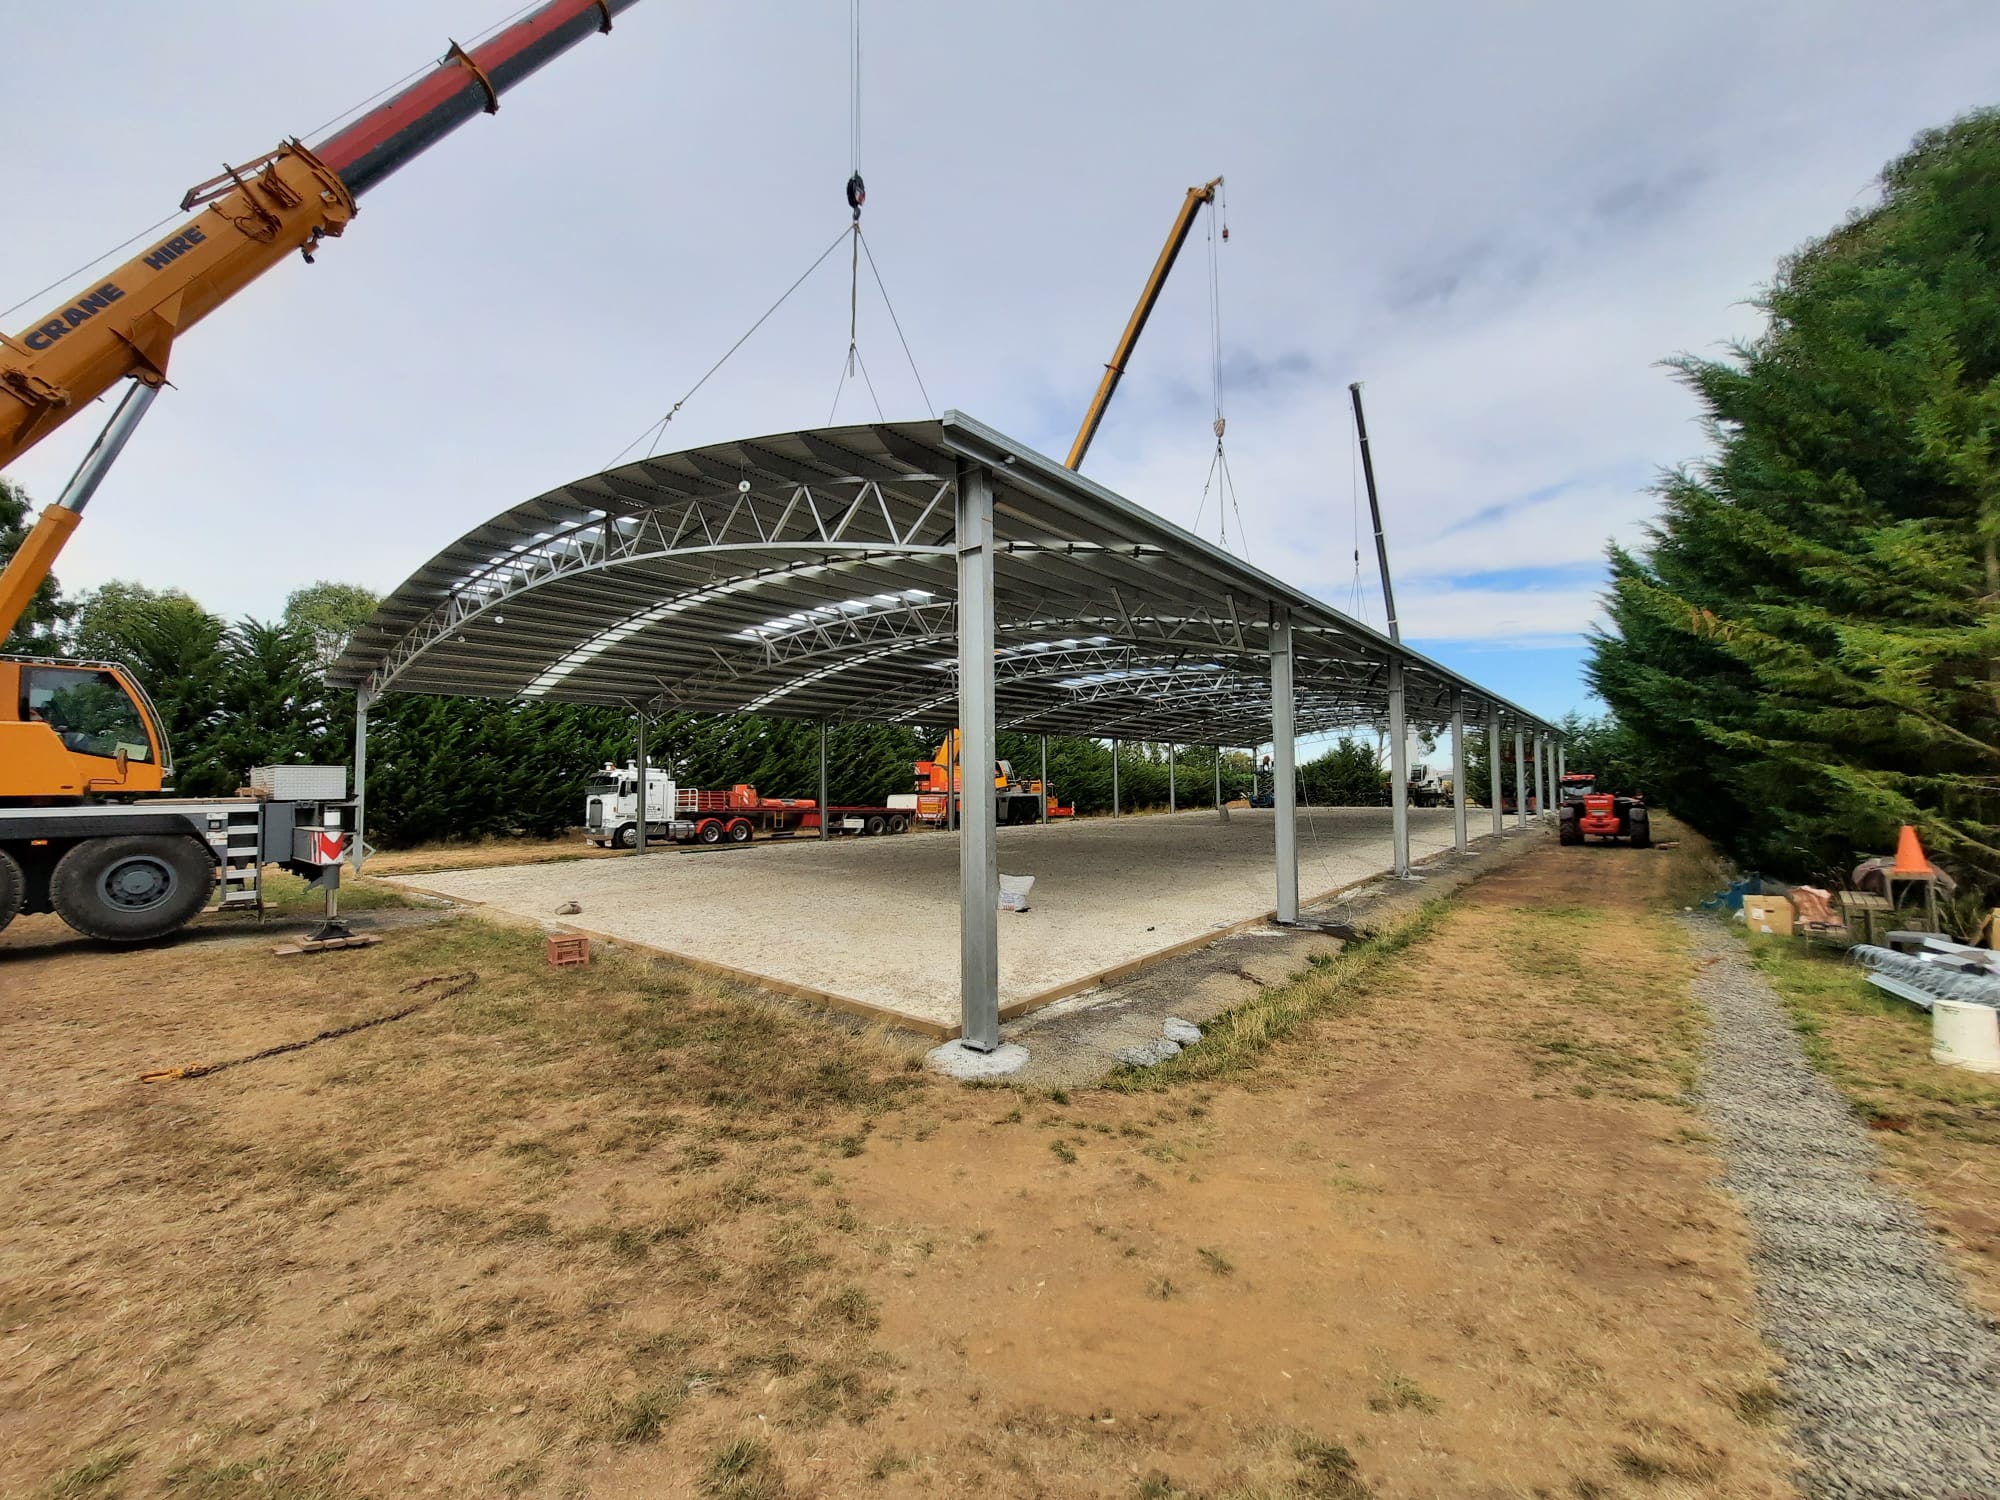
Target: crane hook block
[[857, 194]]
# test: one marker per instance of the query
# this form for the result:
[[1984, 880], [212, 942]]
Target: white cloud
[[1500, 218]]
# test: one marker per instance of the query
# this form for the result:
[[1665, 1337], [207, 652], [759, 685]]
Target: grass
[[288, 895], [1239, 1037], [746, 1469], [1938, 1126], [291, 1473], [641, 1418], [583, 1221], [639, 1135], [91, 1476], [854, 1307], [1400, 1393], [1759, 1404]]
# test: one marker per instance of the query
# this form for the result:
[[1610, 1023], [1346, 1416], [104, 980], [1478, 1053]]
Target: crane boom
[[1135, 325], [251, 217]]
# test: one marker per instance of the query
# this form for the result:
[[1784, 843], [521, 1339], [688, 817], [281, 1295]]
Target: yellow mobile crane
[[78, 738]]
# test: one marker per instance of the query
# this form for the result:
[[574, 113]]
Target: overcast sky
[[1500, 218]]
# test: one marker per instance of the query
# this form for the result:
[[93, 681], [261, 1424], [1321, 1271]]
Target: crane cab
[[76, 731]]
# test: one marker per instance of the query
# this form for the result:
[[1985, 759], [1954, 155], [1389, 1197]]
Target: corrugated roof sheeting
[[813, 575]]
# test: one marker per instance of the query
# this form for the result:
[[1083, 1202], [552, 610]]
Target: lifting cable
[[1219, 478], [857, 196], [897, 322], [852, 363], [658, 429]]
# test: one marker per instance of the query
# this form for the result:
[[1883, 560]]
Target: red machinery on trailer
[[685, 815]]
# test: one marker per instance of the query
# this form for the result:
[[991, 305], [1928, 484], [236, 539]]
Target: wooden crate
[[568, 949]]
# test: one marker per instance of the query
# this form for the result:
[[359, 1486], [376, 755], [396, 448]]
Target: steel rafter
[[815, 575]]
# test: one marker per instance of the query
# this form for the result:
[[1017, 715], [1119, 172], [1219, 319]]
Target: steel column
[[362, 700], [1399, 773], [1045, 779], [1173, 796], [640, 759], [825, 817], [978, 853], [1114, 778], [1218, 777], [1493, 769], [1541, 790], [1459, 839], [1284, 785], [1562, 769], [1520, 782]]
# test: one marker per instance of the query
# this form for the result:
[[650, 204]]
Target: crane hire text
[[88, 306], [81, 311]]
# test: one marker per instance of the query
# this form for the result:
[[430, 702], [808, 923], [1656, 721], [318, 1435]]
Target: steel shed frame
[[822, 574]]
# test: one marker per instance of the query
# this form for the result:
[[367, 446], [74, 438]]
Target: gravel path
[[1894, 1381]]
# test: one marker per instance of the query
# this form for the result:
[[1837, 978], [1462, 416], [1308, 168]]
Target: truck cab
[[76, 731], [611, 805]]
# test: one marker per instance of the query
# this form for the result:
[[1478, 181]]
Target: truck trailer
[[685, 815]]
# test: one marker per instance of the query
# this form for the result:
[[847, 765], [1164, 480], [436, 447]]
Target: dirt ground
[[619, 1232], [853, 918]]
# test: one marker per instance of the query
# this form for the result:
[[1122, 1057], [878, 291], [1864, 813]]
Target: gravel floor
[[876, 920], [1894, 1381]]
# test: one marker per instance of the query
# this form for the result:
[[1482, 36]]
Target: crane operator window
[[89, 711]]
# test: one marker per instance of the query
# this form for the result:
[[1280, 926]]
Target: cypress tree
[[1810, 646]]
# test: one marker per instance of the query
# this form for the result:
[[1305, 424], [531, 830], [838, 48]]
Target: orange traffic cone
[[1911, 863]]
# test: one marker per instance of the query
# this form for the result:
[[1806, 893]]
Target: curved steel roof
[[813, 575]]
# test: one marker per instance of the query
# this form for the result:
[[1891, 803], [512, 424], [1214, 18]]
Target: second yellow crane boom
[[1135, 325]]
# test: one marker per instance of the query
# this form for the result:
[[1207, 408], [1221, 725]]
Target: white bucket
[[1965, 1036]]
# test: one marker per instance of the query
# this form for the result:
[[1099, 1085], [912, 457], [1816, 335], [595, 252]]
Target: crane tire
[[13, 888], [1641, 829], [627, 836], [709, 832], [877, 824], [739, 831], [899, 824], [133, 887]]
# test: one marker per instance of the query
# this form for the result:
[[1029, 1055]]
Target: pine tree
[[1810, 648]]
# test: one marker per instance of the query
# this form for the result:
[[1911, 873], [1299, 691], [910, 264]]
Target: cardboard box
[[1768, 914]]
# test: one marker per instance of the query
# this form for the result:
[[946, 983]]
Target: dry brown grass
[[481, 853], [622, 1231]]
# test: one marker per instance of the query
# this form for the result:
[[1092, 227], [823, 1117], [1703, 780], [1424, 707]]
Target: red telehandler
[[1588, 813]]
